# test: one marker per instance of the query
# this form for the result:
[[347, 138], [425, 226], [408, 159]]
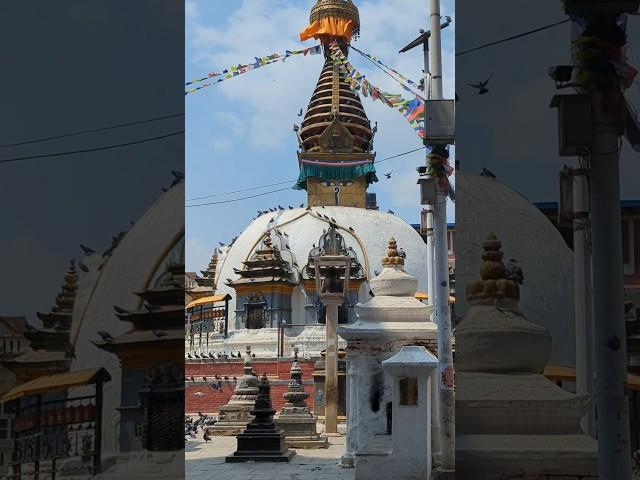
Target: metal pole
[[441, 287], [582, 279], [331, 370], [430, 252], [582, 293], [614, 460], [430, 255]]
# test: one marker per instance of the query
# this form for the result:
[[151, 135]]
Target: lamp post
[[332, 290]]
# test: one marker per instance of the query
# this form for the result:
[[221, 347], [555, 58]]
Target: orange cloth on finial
[[328, 27]]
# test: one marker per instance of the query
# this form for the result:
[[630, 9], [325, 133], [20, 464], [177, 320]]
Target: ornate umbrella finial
[[394, 258]]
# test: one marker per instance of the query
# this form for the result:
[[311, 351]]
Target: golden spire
[[393, 258]]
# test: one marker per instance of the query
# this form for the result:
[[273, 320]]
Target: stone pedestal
[[295, 419], [262, 441], [235, 415], [405, 454], [512, 422], [393, 318]]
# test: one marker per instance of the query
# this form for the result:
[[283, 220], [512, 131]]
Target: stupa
[[512, 422], [393, 318], [295, 418], [268, 269], [262, 441], [235, 415]]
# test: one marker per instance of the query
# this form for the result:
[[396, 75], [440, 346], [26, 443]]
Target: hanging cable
[[513, 37], [92, 149], [92, 130]]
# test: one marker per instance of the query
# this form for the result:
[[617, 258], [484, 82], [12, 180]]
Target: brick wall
[[211, 399], [273, 369]]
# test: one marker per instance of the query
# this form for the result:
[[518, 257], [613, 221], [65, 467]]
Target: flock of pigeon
[[192, 425], [220, 355]]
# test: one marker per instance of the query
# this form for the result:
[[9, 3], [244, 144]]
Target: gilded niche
[[336, 138]]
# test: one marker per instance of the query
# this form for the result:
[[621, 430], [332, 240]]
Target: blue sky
[[239, 132]]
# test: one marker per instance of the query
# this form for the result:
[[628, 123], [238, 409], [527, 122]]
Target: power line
[[513, 37], [286, 181], [399, 155], [239, 191], [93, 149], [238, 199], [92, 130], [273, 184]]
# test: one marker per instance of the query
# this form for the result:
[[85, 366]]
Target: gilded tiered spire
[[336, 137]]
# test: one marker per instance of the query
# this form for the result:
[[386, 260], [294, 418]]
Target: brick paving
[[206, 462]]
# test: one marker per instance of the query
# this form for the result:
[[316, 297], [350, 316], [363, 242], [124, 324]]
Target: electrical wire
[[274, 184], [92, 130], [240, 191], [92, 149], [238, 199], [513, 37]]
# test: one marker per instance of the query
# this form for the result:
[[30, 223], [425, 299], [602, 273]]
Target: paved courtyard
[[205, 461]]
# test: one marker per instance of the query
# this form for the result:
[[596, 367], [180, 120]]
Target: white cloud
[[260, 27]]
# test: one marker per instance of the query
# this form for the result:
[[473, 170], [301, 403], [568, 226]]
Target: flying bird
[[87, 251], [487, 173], [481, 86], [388, 174]]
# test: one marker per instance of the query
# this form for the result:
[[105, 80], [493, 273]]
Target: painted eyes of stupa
[[341, 183]]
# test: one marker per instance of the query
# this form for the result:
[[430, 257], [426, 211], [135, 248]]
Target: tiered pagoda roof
[[158, 325], [51, 347], [267, 265]]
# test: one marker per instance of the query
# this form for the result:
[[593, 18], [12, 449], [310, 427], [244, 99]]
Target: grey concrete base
[[259, 457], [300, 431], [489, 457], [307, 442]]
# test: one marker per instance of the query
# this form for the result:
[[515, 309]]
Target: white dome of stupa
[[484, 205], [136, 262], [366, 231]]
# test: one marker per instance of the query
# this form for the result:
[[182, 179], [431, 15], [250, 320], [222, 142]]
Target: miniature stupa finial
[[393, 259]]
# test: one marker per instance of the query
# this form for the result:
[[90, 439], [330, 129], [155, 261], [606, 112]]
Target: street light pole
[[441, 286]]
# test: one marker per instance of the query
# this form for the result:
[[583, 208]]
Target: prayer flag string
[[412, 110], [213, 78], [386, 68]]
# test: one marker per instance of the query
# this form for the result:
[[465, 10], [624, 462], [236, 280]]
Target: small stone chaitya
[[511, 421], [262, 441], [295, 418], [235, 415]]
